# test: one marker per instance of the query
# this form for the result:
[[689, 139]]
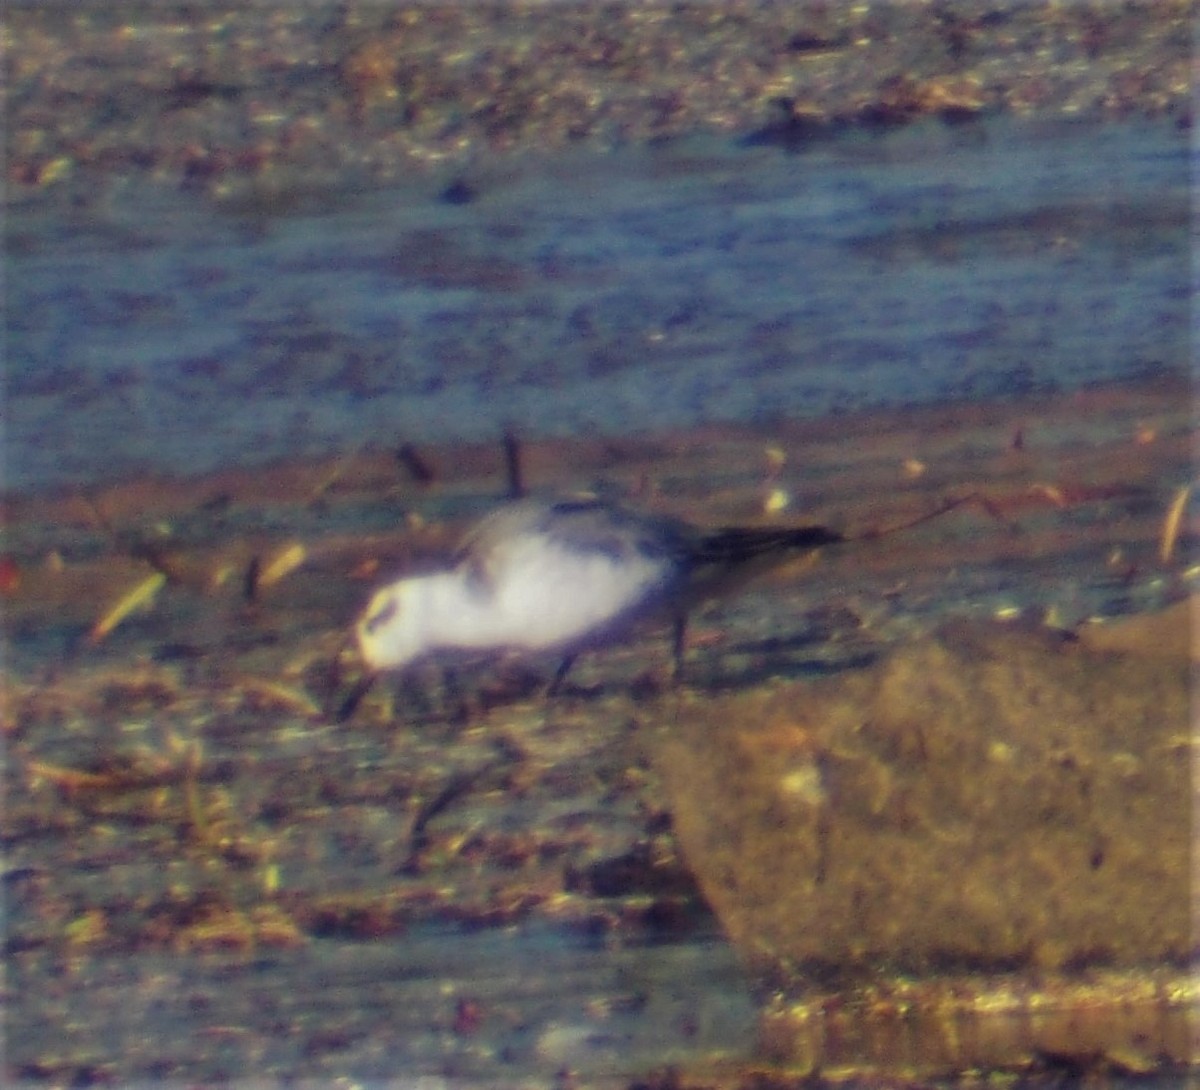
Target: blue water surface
[[640, 289]]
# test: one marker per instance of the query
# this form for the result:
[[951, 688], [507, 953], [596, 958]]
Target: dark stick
[[250, 579], [350, 705], [512, 463], [937, 512], [456, 787], [412, 460], [678, 645]]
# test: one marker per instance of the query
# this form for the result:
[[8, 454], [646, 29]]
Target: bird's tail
[[726, 559], [734, 545]]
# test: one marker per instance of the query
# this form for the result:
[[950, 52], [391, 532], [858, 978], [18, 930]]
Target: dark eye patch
[[381, 617]]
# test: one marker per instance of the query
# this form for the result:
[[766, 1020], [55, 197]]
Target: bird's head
[[388, 632]]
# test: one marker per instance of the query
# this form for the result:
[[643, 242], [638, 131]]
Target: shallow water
[[645, 289], [393, 1008]]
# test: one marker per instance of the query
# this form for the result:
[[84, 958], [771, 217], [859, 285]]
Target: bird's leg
[[560, 676], [455, 706], [678, 646], [417, 690]]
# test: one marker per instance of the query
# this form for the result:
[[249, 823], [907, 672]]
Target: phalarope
[[564, 577]]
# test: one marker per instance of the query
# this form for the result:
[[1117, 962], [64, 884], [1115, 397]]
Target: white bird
[[566, 576]]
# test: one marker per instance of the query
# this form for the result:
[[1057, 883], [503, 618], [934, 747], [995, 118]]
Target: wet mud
[[209, 876]]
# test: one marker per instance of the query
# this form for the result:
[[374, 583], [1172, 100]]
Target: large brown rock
[[984, 799]]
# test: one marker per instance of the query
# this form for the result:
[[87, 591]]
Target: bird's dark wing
[[597, 526], [584, 526]]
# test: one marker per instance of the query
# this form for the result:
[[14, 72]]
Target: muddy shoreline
[[191, 837], [270, 103]]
